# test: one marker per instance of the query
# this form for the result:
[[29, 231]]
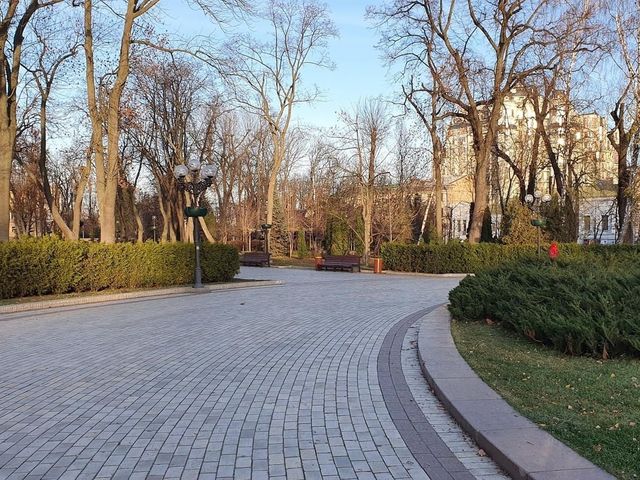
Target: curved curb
[[515, 443], [430, 451], [136, 295]]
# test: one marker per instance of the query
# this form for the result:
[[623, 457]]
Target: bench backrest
[[255, 255], [350, 259]]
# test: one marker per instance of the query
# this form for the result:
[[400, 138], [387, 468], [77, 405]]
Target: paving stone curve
[[252, 383]]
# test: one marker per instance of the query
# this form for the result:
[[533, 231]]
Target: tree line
[[134, 103]]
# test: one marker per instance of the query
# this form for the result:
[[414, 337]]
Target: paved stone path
[[275, 382]]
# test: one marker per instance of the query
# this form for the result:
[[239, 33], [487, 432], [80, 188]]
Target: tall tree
[[420, 67], [50, 57], [266, 75], [105, 124], [625, 133], [366, 130], [483, 50], [12, 34], [170, 96]]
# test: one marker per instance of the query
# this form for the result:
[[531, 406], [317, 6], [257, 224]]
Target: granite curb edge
[[519, 446], [144, 294]]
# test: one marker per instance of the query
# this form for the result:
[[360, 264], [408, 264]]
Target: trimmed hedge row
[[576, 307], [456, 257], [49, 265]]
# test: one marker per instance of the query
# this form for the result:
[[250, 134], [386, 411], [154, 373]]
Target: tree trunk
[[9, 78], [481, 200], [367, 219], [278, 157], [136, 214], [205, 229], [6, 157], [108, 160]]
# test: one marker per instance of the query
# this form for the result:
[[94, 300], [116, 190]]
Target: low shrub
[[51, 266], [578, 307], [456, 257]]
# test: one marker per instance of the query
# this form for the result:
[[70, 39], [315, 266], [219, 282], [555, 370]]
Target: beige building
[[580, 142], [585, 158], [457, 194]]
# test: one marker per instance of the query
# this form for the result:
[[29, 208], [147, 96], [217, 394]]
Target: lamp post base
[[197, 283]]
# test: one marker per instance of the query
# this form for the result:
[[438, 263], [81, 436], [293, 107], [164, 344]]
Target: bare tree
[[491, 47], [50, 57], [320, 179], [414, 50], [624, 136], [105, 125], [266, 75], [366, 130], [169, 98], [13, 26], [431, 113]]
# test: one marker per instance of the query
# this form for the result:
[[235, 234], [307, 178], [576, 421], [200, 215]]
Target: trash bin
[[318, 260], [377, 265]]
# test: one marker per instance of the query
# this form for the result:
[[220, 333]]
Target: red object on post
[[554, 251], [318, 260]]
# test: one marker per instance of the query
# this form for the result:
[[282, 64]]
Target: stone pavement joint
[[518, 445]]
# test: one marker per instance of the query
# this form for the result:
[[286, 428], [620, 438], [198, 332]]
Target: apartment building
[[579, 141], [584, 153]]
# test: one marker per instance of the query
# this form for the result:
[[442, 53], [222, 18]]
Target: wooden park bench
[[340, 262], [256, 259]]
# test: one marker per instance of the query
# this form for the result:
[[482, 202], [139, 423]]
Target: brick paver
[[268, 383]]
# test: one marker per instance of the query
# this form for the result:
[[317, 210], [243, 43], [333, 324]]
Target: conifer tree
[[279, 241]]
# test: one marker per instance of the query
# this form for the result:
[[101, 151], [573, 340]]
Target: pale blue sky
[[359, 70]]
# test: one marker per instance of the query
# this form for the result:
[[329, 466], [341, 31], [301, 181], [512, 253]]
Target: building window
[[605, 223], [587, 224]]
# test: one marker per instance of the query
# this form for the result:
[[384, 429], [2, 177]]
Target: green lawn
[[591, 405]]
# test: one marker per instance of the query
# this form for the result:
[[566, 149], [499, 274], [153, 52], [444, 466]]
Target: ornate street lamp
[[534, 202], [195, 179], [153, 219]]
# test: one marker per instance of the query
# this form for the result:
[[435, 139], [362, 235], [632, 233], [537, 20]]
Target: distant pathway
[[281, 382]]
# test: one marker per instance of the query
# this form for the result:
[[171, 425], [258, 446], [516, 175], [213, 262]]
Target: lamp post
[[153, 227], [195, 178], [534, 202], [265, 232]]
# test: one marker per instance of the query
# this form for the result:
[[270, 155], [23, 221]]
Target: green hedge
[[456, 257], [577, 307], [49, 265]]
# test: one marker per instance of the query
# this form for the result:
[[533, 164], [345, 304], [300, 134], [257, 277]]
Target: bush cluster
[[456, 257], [50, 265], [578, 307]]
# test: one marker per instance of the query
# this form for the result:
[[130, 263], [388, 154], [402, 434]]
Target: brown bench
[[256, 259], [340, 262]]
